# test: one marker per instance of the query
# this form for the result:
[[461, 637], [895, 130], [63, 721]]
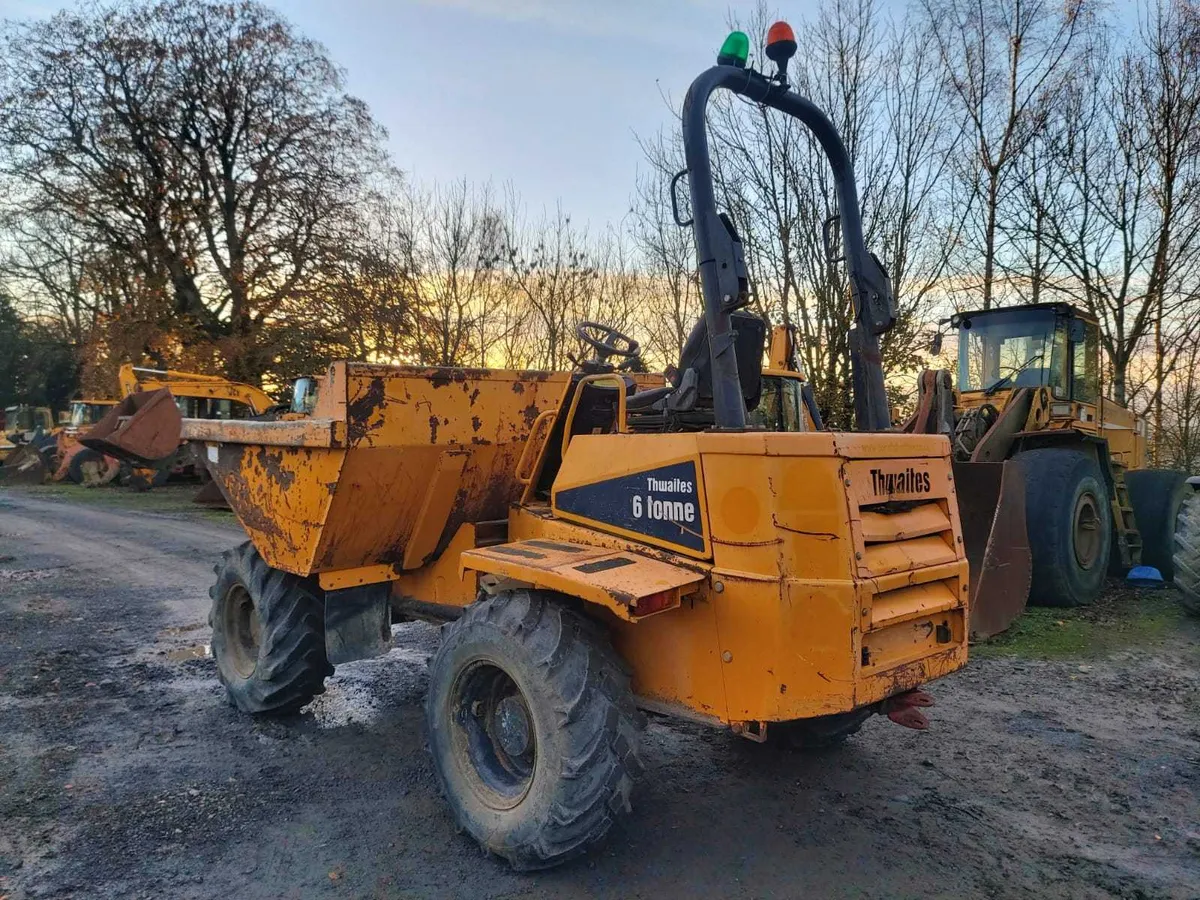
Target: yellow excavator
[[193, 395]]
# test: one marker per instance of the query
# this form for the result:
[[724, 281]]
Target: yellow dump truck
[[600, 545]]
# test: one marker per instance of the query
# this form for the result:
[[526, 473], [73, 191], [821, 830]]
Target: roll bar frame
[[718, 251]]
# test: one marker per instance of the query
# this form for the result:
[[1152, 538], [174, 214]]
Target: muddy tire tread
[[595, 713], [1156, 495], [292, 665], [1187, 554]]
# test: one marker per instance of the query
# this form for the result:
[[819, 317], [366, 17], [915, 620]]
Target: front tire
[[532, 728], [1069, 521], [1187, 553], [268, 634]]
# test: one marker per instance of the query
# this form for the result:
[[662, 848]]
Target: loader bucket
[[991, 507], [25, 465], [142, 429]]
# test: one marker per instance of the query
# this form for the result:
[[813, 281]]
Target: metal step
[[1129, 540]]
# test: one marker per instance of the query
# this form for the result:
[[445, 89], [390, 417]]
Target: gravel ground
[[124, 773]]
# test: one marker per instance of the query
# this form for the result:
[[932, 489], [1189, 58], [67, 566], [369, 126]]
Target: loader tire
[[821, 733], [532, 728], [1069, 521], [268, 634], [87, 467], [1156, 496], [1187, 553]]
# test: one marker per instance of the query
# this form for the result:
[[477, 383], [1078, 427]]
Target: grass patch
[[1122, 618], [169, 498]]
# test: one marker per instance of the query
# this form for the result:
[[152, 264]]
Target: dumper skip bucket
[[143, 429], [991, 507]]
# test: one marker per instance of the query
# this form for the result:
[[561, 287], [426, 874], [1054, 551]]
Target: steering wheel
[[606, 340]]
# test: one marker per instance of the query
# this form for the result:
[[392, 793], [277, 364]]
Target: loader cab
[[1051, 345], [88, 412], [25, 421]]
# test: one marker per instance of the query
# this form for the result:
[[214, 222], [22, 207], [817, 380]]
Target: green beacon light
[[735, 50]]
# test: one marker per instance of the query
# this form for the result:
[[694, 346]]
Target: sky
[[545, 95]]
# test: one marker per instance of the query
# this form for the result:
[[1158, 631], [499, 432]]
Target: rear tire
[[532, 728], [1187, 553], [1156, 496], [821, 733], [268, 634], [1069, 520]]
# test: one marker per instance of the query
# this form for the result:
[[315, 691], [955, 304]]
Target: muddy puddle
[[193, 651]]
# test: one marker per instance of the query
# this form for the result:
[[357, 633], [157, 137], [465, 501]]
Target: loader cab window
[[86, 413], [1085, 365], [1012, 348]]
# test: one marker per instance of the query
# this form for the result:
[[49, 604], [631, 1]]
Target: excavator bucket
[[142, 429], [991, 506], [25, 465], [211, 496]]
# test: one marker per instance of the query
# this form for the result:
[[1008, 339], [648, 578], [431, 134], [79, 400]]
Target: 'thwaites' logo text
[[908, 481]]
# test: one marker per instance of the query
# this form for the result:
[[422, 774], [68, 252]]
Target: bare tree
[[205, 142], [1004, 63], [553, 274], [878, 83]]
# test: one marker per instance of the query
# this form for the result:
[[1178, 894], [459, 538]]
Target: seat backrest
[[749, 343]]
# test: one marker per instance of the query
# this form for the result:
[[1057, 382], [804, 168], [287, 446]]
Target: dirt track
[[123, 773]]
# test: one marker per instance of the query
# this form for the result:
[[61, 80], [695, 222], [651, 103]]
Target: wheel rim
[[243, 631], [1087, 537], [495, 741]]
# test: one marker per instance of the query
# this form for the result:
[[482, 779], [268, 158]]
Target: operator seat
[[692, 387]]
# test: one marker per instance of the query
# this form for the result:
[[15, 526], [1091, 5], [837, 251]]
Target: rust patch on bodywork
[[360, 410], [271, 462]]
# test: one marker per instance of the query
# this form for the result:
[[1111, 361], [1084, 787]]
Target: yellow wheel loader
[[26, 444], [600, 545], [75, 462], [1029, 389]]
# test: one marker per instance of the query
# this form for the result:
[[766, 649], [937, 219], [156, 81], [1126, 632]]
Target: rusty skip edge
[[327, 433]]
